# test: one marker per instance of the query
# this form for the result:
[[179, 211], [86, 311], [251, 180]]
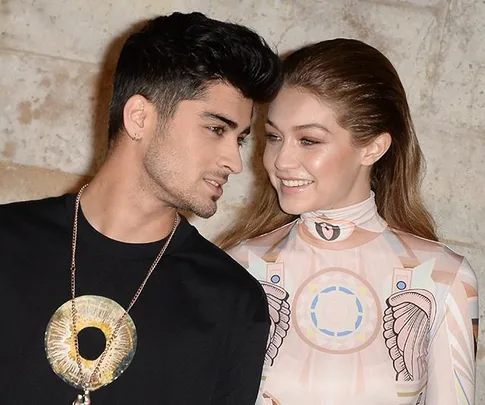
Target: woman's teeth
[[296, 183]]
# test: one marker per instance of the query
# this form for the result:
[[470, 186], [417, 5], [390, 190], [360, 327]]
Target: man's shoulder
[[218, 263], [26, 216], [28, 204], [212, 255]]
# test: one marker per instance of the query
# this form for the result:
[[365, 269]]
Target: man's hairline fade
[[165, 115], [167, 97]]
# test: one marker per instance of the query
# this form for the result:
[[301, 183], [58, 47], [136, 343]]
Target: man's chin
[[205, 215], [205, 212], [204, 208]]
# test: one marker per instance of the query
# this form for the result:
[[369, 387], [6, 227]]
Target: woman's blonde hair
[[365, 91]]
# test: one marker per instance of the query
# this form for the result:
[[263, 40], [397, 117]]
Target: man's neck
[[123, 208]]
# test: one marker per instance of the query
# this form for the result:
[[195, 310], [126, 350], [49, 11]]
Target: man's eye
[[217, 130], [242, 140]]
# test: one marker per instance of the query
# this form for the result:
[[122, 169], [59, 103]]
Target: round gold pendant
[[92, 312]]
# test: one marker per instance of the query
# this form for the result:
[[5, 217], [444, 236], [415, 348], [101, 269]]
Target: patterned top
[[363, 313]]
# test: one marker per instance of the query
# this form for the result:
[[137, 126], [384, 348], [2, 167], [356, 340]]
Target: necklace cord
[[86, 382]]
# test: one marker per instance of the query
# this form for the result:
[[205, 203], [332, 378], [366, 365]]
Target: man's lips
[[216, 185]]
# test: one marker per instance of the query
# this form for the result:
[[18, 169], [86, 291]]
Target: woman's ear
[[372, 152]]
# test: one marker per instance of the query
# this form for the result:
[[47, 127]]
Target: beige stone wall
[[56, 56]]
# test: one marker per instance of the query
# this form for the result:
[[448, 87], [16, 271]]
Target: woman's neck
[[339, 224]]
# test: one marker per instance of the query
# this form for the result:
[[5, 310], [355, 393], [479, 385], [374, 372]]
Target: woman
[[367, 307]]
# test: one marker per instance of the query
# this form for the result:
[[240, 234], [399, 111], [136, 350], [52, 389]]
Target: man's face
[[191, 158]]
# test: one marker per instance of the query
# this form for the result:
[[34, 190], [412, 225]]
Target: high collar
[[339, 225]]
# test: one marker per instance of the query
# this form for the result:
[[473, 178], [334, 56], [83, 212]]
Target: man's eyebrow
[[229, 122]]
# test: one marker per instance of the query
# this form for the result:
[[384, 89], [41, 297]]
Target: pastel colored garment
[[363, 314]]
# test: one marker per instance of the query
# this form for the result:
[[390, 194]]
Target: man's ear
[[134, 116], [372, 152]]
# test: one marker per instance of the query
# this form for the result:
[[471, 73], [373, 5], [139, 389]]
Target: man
[[111, 297]]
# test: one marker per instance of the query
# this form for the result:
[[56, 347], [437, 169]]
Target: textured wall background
[[56, 58]]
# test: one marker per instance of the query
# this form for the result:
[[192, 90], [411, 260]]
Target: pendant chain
[[87, 383]]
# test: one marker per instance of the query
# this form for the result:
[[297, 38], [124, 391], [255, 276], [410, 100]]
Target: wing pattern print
[[279, 311], [407, 323]]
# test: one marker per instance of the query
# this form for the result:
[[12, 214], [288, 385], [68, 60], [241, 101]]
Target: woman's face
[[310, 159]]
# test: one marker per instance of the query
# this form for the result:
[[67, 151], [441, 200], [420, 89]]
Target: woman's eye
[[218, 130], [272, 137], [308, 142]]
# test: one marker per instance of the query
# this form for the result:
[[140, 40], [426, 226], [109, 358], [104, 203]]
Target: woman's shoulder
[[261, 244], [419, 243], [412, 248]]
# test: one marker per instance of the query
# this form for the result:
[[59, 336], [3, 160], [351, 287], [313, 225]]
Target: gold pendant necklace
[[83, 399], [89, 311]]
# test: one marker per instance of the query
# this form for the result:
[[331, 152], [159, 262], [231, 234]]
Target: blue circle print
[[401, 285], [275, 279]]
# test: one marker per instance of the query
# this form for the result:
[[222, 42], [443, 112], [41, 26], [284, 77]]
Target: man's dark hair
[[175, 58]]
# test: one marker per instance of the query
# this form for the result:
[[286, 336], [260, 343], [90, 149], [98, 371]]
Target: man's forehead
[[223, 90], [232, 105]]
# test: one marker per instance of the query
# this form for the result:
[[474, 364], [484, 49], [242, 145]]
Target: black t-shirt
[[201, 321]]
